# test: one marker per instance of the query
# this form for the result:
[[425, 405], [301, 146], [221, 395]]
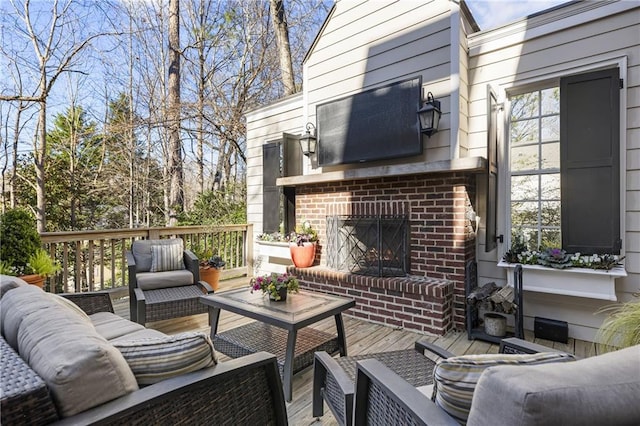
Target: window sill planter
[[274, 249], [578, 282]]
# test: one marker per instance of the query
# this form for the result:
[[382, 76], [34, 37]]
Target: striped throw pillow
[[156, 359], [455, 378], [167, 257]]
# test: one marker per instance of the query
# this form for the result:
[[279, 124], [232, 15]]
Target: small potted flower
[[210, 266], [275, 285], [302, 244]]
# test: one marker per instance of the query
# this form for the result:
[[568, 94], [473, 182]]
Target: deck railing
[[95, 260]]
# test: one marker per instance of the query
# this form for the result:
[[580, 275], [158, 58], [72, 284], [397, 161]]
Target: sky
[[494, 13]]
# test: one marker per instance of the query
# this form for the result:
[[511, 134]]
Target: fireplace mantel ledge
[[470, 164]]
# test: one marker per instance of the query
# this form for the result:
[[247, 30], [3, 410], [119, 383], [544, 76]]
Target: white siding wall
[[266, 125], [545, 49], [367, 44]]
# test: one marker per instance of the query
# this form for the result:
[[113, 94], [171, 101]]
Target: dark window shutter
[[270, 192], [491, 222], [292, 155], [589, 159]]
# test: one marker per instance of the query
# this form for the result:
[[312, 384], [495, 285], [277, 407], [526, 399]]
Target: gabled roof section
[[322, 28], [468, 15]]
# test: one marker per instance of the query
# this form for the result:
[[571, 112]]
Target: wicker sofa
[[71, 360]]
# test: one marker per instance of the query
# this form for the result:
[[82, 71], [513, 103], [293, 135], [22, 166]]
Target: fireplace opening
[[368, 245]]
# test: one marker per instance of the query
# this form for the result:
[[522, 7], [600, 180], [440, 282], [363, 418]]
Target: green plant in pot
[[210, 268], [42, 264]]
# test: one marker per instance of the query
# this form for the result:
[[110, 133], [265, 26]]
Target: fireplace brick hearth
[[415, 303], [441, 216]]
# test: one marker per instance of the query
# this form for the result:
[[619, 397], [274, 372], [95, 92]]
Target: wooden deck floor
[[362, 337]]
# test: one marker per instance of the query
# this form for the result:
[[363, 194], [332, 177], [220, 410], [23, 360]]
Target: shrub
[[20, 240]]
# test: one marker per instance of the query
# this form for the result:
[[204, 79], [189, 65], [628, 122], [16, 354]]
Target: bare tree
[[176, 191], [284, 49], [56, 51]]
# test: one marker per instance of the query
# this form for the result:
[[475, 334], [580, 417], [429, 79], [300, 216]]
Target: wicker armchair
[[333, 378], [167, 294], [598, 390]]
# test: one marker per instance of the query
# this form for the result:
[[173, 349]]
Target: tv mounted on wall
[[377, 124]]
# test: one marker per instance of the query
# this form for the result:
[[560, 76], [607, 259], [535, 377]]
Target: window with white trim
[[564, 164], [534, 167]]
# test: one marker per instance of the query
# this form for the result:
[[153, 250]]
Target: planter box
[[579, 282], [272, 257], [272, 249]]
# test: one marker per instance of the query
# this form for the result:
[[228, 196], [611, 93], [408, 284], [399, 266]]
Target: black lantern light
[[429, 116], [308, 140]]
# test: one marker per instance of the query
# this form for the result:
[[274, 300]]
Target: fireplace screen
[[368, 245]]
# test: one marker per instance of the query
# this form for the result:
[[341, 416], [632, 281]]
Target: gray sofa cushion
[[141, 250], [110, 326], [8, 282], [601, 390], [156, 280], [147, 333], [80, 368]]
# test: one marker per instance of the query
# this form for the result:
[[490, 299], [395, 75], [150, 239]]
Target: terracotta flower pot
[[303, 256], [34, 279], [211, 276]]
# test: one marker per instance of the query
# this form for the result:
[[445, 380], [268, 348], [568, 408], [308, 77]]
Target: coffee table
[[281, 328]]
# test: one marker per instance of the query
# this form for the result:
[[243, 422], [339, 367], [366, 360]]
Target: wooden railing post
[[248, 243]]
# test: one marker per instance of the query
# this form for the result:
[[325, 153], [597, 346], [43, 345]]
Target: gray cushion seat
[[599, 390]]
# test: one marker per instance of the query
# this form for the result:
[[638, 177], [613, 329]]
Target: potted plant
[[210, 270], [302, 244], [42, 266], [275, 285]]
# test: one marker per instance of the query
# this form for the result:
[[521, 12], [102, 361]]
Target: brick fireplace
[[441, 215]]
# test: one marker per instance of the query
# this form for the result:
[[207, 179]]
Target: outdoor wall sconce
[[429, 116], [308, 140]]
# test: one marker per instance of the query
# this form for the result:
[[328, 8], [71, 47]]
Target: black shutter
[[270, 192], [292, 155], [491, 222], [589, 159]]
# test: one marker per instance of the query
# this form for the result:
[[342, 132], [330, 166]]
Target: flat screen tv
[[377, 124]]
